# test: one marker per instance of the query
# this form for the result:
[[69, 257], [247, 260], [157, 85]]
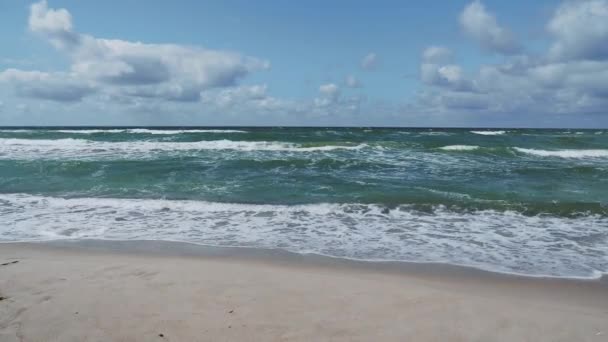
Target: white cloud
[[56, 25], [435, 70], [437, 55], [581, 30], [167, 71], [61, 87], [329, 95], [352, 82], [570, 78], [370, 61], [329, 89], [236, 96], [483, 27]]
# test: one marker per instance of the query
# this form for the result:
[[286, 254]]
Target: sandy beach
[[173, 292]]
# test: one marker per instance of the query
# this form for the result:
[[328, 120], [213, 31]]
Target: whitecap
[[571, 153], [14, 148], [460, 148], [489, 132], [147, 131]]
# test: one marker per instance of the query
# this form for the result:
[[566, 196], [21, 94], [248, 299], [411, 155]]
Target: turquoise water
[[524, 201]]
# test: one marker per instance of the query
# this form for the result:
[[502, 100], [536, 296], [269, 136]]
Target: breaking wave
[[489, 132], [492, 240], [459, 148], [572, 153], [13, 148]]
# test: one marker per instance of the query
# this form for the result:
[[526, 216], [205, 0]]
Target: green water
[[430, 179]]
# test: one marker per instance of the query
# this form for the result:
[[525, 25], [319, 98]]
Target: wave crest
[[460, 148], [70, 147], [489, 132], [572, 153]]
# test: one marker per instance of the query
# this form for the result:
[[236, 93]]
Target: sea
[[531, 202]]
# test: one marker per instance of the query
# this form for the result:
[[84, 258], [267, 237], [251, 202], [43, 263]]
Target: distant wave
[[572, 153], [121, 130], [489, 132], [69, 147], [436, 133], [459, 147], [167, 131], [486, 239], [148, 131]]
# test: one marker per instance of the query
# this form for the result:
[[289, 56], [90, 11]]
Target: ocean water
[[531, 202]]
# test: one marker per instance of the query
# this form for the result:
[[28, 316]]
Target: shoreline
[[175, 248], [140, 290]]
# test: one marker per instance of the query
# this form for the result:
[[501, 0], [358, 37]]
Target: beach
[[162, 291]]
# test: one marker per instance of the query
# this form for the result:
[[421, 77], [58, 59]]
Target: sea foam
[[487, 239], [489, 132], [14, 148], [459, 147], [571, 153], [148, 131]]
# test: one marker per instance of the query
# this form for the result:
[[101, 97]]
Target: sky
[[425, 63]]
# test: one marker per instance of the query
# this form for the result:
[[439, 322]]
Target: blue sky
[[381, 63]]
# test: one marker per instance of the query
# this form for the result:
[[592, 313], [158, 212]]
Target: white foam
[[491, 240], [13, 148], [459, 147], [489, 132], [147, 131], [180, 131], [87, 131], [571, 153]]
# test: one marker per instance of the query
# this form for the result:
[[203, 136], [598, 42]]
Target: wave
[[121, 130], [148, 131], [489, 132], [572, 153], [180, 131], [459, 147], [13, 148], [88, 131], [492, 240]]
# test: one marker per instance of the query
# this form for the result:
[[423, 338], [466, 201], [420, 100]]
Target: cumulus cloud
[[437, 70], [581, 30], [370, 61], [166, 71], [571, 77], [56, 25], [483, 27]]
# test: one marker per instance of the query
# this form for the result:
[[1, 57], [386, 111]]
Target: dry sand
[[63, 293]]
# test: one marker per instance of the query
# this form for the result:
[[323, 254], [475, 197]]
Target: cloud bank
[[123, 68], [571, 77]]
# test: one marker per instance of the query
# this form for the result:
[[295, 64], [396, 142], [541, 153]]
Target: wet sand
[[162, 291]]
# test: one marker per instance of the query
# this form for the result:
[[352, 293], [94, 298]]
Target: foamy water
[[489, 132], [571, 153], [517, 243]]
